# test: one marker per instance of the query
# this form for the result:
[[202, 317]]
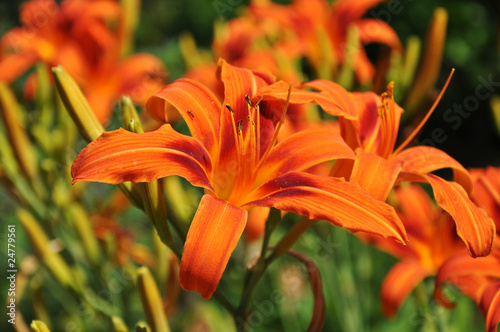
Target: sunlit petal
[[212, 237], [374, 174], [426, 159], [303, 150], [342, 203], [120, 156], [199, 107]]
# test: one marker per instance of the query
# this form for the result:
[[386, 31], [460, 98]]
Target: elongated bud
[[77, 106], [326, 64], [38, 301], [18, 138], [90, 128], [118, 324], [430, 64], [85, 232], [411, 57], [39, 326], [142, 327], [129, 114], [151, 301], [131, 11], [353, 47], [151, 192], [495, 106], [180, 199], [40, 242]]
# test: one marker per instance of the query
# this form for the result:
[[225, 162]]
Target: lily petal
[[212, 237], [462, 265], [374, 174], [474, 227], [142, 75], [490, 305], [334, 106], [426, 159], [199, 107], [342, 203], [14, 65], [303, 150], [399, 283], [377, 31], [120, 156]]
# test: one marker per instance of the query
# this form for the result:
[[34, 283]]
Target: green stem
[[255, 272]]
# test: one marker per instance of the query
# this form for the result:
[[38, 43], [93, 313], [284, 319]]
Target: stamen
[[278, 127], [253, 135], [235, 132], [428, 115], [388, 125], [240, 127], [248, 100]]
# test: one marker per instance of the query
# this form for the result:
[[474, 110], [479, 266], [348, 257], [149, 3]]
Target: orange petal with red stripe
[[212, 237], [120, 156], [342, 203], [399, 283]]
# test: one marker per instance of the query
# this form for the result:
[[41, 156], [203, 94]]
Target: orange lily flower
[[77, 36], [316, 23], [477, 278], [369, 125], [232, 154], [433, 239], [46, 36], [486, 191]]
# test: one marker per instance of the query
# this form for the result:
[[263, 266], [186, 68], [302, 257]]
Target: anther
[[240, 127], [230, 109], [248, 100]]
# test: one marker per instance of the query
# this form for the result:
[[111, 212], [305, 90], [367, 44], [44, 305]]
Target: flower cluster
[[286, 118]]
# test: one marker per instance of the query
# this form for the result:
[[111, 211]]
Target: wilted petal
[[212, 237], [120, 156], [374, 174], [342, 203], [399, 283]]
